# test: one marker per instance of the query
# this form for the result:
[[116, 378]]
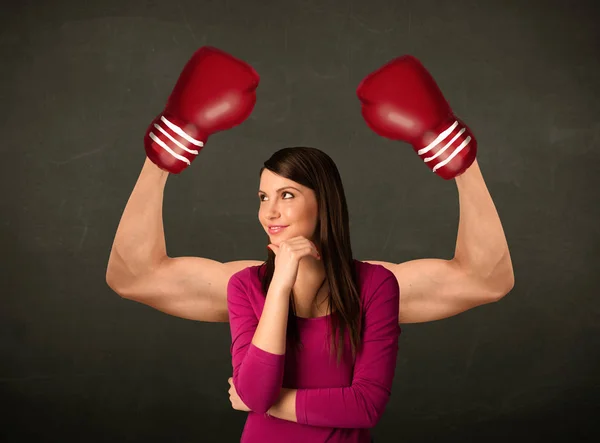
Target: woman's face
[[287, 203]]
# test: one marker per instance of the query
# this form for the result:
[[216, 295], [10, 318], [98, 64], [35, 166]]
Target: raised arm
[[203, 101], [402, 101], [480, 272], [139, 269]]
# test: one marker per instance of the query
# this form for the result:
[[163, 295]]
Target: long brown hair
[[314, 169]]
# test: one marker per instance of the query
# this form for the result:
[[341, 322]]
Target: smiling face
[[287, 203]]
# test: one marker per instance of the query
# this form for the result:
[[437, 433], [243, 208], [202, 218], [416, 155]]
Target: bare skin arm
[[431, 289], [139, 268], [196, 288], [193, 288], [480, 272]]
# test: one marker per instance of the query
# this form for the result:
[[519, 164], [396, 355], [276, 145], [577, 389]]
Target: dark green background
[[80, 82]]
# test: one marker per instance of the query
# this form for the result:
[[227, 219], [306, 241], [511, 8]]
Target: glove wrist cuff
[[449, 149], [173, 143]]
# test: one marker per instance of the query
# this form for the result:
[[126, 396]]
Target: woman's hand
[[287, 259], [235, 400]]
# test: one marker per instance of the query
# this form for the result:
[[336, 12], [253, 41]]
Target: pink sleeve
[[257, 374], [362, 404]]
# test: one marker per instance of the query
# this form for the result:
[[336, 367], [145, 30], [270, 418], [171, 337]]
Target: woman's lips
[[276, 230]]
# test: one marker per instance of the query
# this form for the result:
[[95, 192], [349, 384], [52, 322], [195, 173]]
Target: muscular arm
[[193, 288], [431, 289], [196, 288], [480, 272], [139, 268]]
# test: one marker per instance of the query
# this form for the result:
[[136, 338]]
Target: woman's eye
[[283, 193]]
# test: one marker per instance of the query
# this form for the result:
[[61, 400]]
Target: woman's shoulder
[[246, 279], [374, 278], [249, 272], [372, 271]]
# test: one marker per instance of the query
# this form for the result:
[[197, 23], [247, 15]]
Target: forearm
[[346, 407], [285, 406], [139, 242], [362, 404], [258, 371], [481, 246], [270, 334]]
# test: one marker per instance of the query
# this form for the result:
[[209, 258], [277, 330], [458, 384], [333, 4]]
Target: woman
[[314, 331], [205, 101], [400, 101]]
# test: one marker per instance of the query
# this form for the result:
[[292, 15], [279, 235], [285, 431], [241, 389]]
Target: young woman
[[314, 331], [216, 92], [401, 101]]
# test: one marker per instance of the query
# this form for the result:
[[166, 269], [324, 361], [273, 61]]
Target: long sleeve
[[257, 374], [362, 404]]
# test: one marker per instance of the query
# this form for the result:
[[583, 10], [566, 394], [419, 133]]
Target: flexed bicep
[[433, 289], [193, 288]]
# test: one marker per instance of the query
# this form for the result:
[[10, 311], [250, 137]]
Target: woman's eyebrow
[[280, 189]]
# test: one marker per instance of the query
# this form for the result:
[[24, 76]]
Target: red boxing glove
[[402, 101], [215, 91]]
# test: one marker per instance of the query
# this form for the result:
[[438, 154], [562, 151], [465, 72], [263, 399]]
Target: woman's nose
[[272, 210]]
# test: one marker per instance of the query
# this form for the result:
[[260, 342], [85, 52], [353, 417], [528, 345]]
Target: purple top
[[333, 403]]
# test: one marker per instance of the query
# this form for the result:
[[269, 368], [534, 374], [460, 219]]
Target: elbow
[[258, 403], [261, 407], [370, 419], [504, 280], [505, 290], [111, 280], [373, 409], [498, 284], [258, 379], [122, 276], [373, 417], [259, 398], [113, 275], [501, 289], [116, 284]]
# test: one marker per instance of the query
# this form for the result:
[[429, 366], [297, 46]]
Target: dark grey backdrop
[[80, 82]]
